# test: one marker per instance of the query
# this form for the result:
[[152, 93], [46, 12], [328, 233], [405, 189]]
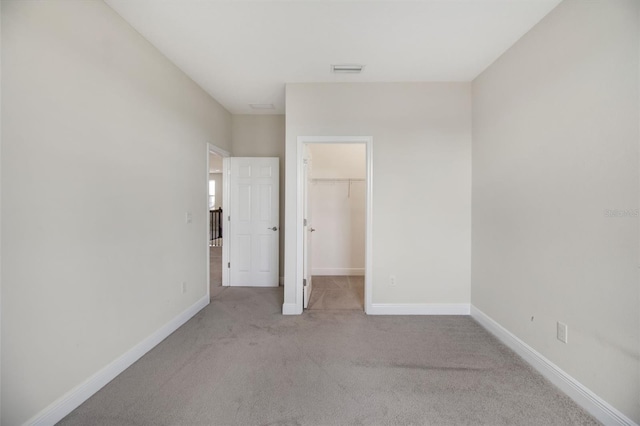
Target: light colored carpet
[[337, 292], [240, 362], [215, 271]]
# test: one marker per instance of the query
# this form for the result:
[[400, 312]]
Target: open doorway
[[337, 218], [216, 203], [242, 230]]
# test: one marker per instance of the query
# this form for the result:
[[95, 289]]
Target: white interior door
[[307, 231], [253, 221]]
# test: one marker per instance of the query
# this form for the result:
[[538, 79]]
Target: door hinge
[[304, 282], [304, 222], [229, 265], [229, 218]]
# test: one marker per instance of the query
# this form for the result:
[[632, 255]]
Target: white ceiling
[[244, 52]]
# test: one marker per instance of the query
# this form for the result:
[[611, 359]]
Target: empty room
[[221, 212]]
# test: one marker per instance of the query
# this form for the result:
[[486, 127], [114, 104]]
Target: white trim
[[226, 251], [583, 396], [419, 309], [208, 233], [76, 396], [291, 309], [337, 271], [368, 281], [368, 256], [217, 150]]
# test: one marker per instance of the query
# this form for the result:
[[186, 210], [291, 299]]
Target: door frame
[[368, 264], [213, 149]]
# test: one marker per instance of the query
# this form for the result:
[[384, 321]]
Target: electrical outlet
[[392, 280], [188, 217], [563, 332], [184, 287]]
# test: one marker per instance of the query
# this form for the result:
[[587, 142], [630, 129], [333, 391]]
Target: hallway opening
[[215, 228]]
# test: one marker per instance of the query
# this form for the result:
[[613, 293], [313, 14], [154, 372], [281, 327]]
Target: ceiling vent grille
[[347, 69], [262, 106]]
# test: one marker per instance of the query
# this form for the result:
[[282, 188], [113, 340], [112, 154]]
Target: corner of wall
[[596, 406], [79, 394]]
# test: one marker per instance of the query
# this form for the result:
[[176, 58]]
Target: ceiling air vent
[[262, 106], [347, 69]]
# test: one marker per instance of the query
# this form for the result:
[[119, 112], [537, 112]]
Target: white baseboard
[[338, 271], [291, 309], [76, 396], [418, 309], [599, 408]]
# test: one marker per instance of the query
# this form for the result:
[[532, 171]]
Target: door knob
[[313, 229], [275, 228]]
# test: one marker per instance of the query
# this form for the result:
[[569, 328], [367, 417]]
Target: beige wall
[[103, 153], [555, 147], [421, 180], [338, 161], [262, 136]]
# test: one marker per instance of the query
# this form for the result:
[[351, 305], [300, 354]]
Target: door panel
[[307, 230], [265, 202], [244, 246], [244, 202], [264, 252], [254, 219]]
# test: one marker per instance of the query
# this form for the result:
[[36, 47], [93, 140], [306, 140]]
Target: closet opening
[[334, 225]]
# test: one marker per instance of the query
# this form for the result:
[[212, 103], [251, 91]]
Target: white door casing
[[308, 229], [253, 221]]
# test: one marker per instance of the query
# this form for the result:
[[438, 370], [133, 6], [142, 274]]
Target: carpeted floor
[[240, 362], [337, 292], [215, 271]]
